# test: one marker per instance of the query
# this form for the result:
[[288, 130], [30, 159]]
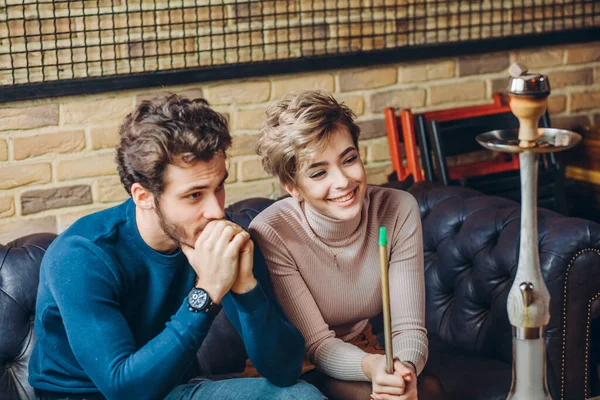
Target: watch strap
[[211, 308]]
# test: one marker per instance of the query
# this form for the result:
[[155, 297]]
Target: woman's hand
[[401, 385]]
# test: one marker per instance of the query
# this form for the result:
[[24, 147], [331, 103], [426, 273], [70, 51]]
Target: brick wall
[[56, 155]]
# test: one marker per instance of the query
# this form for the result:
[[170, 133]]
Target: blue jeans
[[244, 389]]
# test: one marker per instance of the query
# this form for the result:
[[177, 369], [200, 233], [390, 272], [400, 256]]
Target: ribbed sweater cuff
[[347, 367], [405, 350]]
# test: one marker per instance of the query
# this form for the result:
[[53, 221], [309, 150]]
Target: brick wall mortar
[[55, 157], [372, 147], [88, 138], [58, 212], [9, 149], [95, 191], [17, 203], [61, 117]]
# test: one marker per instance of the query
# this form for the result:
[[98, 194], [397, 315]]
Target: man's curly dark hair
[[168, 130]]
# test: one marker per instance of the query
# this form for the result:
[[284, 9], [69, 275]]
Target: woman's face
[[334, 182]]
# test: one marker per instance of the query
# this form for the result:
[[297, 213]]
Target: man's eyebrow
[[224, 178], [202, 187], [322, 163]]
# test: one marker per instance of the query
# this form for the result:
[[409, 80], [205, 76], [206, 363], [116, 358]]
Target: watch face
[[198, 299]]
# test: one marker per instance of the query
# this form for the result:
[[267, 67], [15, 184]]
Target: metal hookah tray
[[550, 140]]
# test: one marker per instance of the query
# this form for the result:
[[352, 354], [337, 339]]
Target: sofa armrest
[[570, 261], [570, 338], [19, 275]]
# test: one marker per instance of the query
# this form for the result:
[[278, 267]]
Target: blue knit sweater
[[112, 315]]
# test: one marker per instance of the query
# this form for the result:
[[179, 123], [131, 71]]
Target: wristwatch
[[200, 301]]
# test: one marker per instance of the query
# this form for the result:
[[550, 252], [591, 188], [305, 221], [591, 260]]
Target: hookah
[[528, 299]]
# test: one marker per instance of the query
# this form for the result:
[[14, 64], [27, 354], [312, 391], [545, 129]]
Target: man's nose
[[214, 209]]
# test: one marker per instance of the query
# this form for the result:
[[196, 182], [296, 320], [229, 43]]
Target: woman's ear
[[292, 190], [142, 197]]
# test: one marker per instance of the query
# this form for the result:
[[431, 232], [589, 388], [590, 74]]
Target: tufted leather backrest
[[243, 212], [19, 276], [470, 245]]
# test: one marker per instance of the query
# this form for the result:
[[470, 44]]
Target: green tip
[[382, 236]]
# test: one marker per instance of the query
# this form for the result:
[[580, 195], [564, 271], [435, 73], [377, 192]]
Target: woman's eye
[[317, 174], [351, 159]]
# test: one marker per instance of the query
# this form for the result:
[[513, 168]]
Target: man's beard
[[173, 231]]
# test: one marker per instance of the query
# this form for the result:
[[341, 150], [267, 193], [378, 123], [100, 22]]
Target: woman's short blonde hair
[[298, 128]]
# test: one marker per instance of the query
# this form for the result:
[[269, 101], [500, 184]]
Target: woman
[[322, 252]]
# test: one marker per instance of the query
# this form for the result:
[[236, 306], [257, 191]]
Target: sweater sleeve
[[407, 287], [273, 344], [331, 355], [84, 280]]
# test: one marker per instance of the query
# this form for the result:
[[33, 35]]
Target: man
[[128, 294]]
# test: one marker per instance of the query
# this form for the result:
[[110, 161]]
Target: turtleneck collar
[[331, 230]]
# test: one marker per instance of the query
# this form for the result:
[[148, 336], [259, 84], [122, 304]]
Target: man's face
[[193, 196]]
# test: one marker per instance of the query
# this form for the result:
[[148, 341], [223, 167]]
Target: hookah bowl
[[528, 299]]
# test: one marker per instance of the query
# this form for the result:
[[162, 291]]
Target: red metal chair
[[405, 124], [436, 135]]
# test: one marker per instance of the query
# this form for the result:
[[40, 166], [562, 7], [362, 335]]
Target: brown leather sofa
[[471, 252]]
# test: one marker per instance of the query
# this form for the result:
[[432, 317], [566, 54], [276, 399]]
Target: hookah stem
[[385, 296], [529, 362], [528, 251]]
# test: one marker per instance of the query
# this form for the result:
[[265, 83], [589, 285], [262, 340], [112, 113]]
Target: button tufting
[[8, 365]]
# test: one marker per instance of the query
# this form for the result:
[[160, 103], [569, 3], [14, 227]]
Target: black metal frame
[[313, 63]]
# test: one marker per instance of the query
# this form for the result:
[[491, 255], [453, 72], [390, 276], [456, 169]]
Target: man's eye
[[317, 175], [221, 187], [194, 196]]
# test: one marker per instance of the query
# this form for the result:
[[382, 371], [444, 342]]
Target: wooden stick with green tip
[[385, 297]]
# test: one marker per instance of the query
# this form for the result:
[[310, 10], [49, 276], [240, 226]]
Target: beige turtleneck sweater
[[331, 305]]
